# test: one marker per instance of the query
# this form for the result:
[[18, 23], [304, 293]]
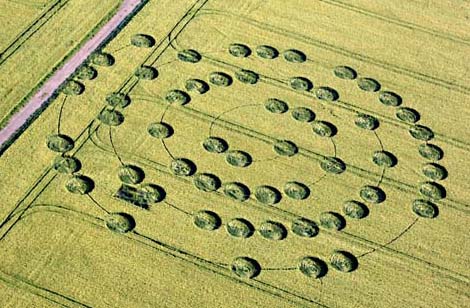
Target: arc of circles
[[382, 154], [226, 83], [364, 83], [60, 142], [390, 181], [330, 233], [387, 98], [384, 158], [171, 250], [270, 224]]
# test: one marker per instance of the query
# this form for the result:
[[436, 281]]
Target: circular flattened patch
[[206, 182], [120, 222], [421, 132], [220, 79], [239, 50], [102, 59], [146, 73], [72, 87], [59, 143], [300, 84], [368, 84], [332, 221], [189, 55], [215, 145], [267, 194], [296, 190], [86, 72], [294, 56], [207, 220], [276, 106], [384, 159], [372, 194], [333, 165], [129, 174], [111, 117], [355, 209], [425, 209], [407, 115], [160, 130], [142, 40], [343, 261], [247, 76], [236, 191], [117, 99], [66, 164], [245, 267], [345, 72], [327, 94], [273, 230], [267, 52], [432, 190], [177, 97], [79, 184], [304, 227], [154, 193], [312, 267], [303, 114], [240, 228], [430, 152], [366, 121], [182, 167], [285, 148], [434, 171], [238, 158], [196, 85], [323, 128], [390, 98]]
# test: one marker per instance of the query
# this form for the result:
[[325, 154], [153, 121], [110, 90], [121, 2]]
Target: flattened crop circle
[[275, 105], [245, 267], [79, 184], [272, 230], [66, 164], [305, 227], [215, 145], [343, 261], [267, 194], [285, 148], [120, 222], [206, 182], [160, 130], [182, 167], [239, 50], [425, 209], [312, 267], [240, 228], [207, 220], [296, 190], [238, 158], [236, 191], [59, 143]]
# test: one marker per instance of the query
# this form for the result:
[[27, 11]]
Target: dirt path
[[65, 71]]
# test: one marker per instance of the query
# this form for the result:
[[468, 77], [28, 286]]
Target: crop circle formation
[[357, 208]]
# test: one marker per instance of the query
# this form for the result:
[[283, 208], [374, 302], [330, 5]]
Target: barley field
[[250, 154]]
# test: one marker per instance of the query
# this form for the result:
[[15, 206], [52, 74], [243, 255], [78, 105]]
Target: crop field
[[258, 154], [38, 36], [15, 16]]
